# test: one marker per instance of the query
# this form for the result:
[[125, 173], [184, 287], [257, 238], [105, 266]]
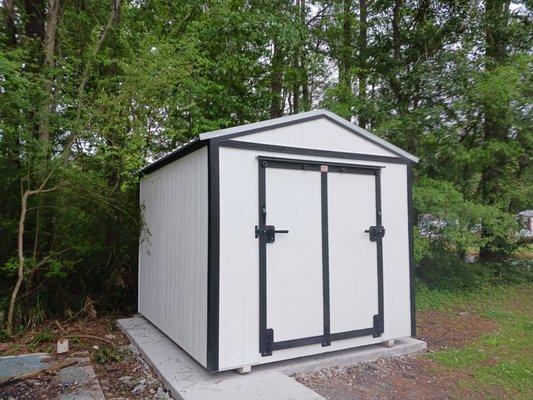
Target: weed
[[107, 354], [4, 337], [44, 336]]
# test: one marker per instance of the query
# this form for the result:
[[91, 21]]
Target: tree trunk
[[306, 100], [114, 18], [20, 278], [35, 11], [50, 32], [9, 20], [361, 75], [345, 59], [276, 81]]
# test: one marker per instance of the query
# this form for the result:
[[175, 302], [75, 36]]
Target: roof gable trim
[[243, 130]]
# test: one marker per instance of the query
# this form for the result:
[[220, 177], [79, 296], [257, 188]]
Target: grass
[[445, 300], [107, 354], [497, 364]]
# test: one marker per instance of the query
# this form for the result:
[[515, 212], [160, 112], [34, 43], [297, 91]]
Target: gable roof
[[228, 133]]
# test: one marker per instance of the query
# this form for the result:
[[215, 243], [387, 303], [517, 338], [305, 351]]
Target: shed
[[278, 239]]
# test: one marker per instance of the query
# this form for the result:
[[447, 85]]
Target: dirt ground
[[409, 377], [441, 329], [123, 374], [120, 370]]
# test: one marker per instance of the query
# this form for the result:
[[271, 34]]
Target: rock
[[125, 379], [161, 394], [110, 337], [139, 388]]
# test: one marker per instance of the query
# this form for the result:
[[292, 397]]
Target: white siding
[[239, 277], [173, 251], [321, 134]]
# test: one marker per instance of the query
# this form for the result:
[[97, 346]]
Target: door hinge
[[378, 325], [268, 339], [376, 232], [270, 232], [326, 338]]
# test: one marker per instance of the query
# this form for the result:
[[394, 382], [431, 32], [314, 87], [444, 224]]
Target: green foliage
[[107, 354], [445, 272], [125, 88], [43, 336], [453, 222]]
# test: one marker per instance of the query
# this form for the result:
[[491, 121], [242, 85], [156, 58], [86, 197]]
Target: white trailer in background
[[278, 239]]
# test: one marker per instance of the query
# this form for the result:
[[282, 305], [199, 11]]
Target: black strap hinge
[[326, 338], [378, 325], [268, 339]]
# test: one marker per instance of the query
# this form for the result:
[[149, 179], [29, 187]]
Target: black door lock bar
[[270, 232], [376, 232]]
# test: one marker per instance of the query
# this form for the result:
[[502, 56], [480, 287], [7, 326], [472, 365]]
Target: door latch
[[270, 232], [376, 232]]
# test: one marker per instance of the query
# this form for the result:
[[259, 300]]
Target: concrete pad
[[11, 366], [188, 380], [82, 378]]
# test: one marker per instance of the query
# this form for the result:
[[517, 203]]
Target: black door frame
[[267, 343]]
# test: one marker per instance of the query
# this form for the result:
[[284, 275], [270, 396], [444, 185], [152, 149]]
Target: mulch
[[127, 378]]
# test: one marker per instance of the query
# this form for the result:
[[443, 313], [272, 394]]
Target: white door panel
[[352, 256], [294, 260]]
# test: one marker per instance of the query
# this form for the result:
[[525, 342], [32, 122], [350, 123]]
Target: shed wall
[[239, 270], [321, 134], [173, 251]]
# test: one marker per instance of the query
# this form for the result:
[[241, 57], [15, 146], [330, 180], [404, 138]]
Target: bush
[[445, 271]]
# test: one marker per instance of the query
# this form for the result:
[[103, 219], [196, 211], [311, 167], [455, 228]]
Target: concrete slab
[[82, 378], [79, 379], [188, 380], [11, 366]]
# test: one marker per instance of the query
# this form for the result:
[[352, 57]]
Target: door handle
[[270, 232]]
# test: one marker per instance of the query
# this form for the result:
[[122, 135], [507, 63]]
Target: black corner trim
[[213, 270], [263, 332], [379, 247], [326, 340], [411, 224]]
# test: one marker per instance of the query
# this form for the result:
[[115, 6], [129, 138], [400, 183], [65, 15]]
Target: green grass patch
[[499, 364], [107, 354], [446, 300], [460, 357]]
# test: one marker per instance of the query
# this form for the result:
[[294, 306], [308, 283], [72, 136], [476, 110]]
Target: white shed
[[278, 239]]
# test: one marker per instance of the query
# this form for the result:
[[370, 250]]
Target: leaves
[[423, 75]]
